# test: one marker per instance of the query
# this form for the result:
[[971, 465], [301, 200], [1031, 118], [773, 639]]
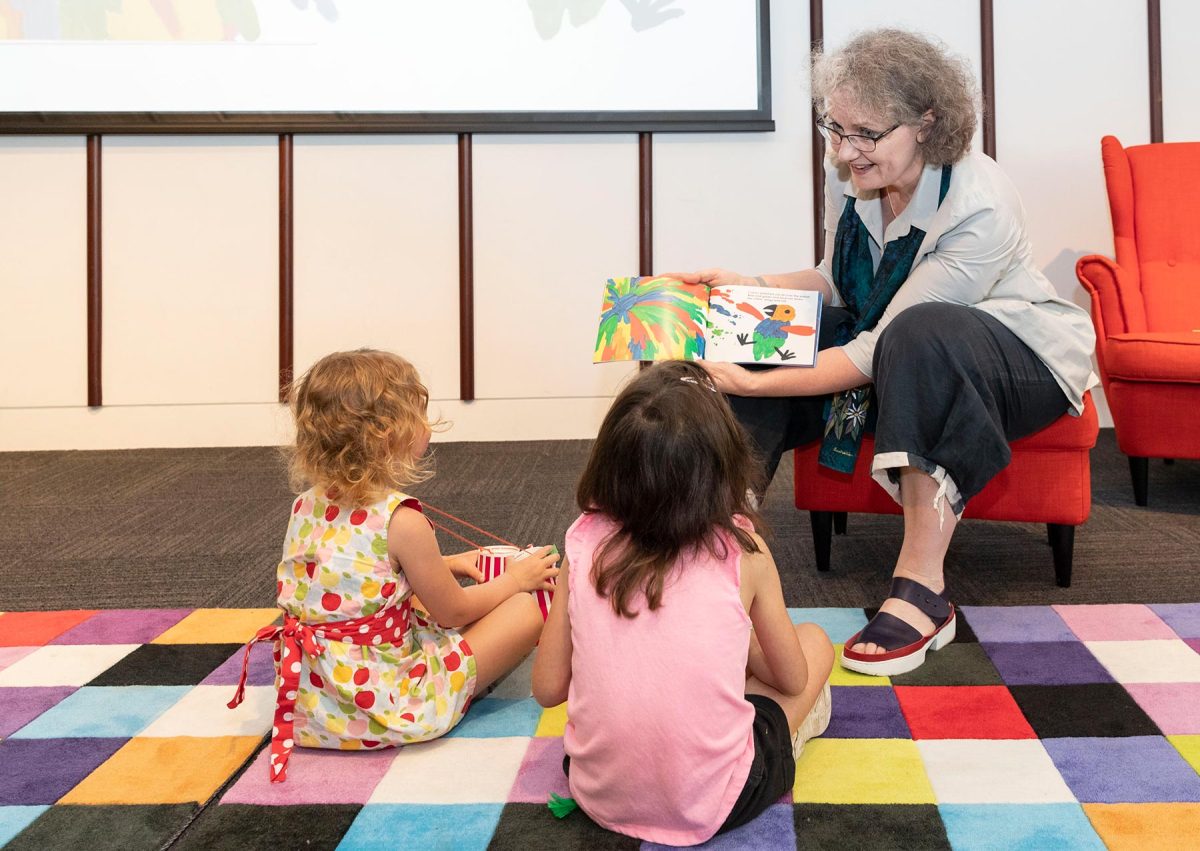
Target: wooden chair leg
[[839, 523], [1139, 468], [1062, 541], [822, 529]]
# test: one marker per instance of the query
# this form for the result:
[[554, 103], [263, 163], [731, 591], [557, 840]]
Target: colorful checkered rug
[[1040, 727]]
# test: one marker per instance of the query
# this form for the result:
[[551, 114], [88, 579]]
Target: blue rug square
[[104, 711], [496, 718], [1019, 827], [452, 827]]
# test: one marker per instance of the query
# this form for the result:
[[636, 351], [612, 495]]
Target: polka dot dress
[[407, 686]]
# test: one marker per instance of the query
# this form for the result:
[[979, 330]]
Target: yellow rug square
[[553, 721], [218, 626], [861, 771], [842, 677], [164, 771], [1152, 827], [1189, 749]]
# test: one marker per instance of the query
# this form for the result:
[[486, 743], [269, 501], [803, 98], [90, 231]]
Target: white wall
[[190, 239]]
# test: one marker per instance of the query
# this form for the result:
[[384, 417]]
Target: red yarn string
[[453, 534]]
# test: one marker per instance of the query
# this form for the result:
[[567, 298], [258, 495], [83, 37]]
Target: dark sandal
[[904, 646]]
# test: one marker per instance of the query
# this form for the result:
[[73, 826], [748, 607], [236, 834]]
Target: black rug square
[[525, 826], [71, 826], [869, 827], [167, 665], [1082, 711], [954, 665], [245, 827]]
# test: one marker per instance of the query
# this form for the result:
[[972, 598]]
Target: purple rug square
[[40, 771], [8, 655], [261, 671], [1138, 769], [314, 777], [123, 626], [1046, 663], [22, 705], [1184, 618], [774, 828], [541, 772], [1017, 623], [865, 713]]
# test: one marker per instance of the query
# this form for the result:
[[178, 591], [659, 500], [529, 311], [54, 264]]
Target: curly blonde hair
[[358, 415], [899, 75]]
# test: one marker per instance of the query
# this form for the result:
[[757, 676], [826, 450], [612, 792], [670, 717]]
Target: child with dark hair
[[689, 691]]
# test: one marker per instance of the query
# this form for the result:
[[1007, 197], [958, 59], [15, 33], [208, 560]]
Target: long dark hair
[[672, 467]]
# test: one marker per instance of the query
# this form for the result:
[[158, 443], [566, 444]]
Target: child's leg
[[503, 637], [818, 653]]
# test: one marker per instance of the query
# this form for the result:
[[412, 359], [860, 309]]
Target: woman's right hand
[[535, 571], [713, 278]]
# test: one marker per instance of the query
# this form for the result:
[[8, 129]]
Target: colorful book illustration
[[659, 318]]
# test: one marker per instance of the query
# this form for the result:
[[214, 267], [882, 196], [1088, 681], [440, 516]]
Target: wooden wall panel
[[43, 360], [377, 251], [1074, 79], [190, 270], [1180, 70], [554, 217]]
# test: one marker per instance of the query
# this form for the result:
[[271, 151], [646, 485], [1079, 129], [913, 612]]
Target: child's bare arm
[[552, 665], [778, 660], [413, 546]]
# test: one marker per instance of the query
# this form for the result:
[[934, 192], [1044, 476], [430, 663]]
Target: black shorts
[[773, 771]]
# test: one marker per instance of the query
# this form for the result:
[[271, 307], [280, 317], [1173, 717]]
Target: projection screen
[[338, 66]]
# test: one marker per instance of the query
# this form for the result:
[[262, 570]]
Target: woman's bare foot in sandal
[[906, 611]]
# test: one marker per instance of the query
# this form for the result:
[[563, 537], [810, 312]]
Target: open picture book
[[659, 318]]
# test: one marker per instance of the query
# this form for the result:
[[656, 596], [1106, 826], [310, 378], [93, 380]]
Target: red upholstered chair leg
[[822, 529], [1139, 468], [839, 522], [1062, 543]]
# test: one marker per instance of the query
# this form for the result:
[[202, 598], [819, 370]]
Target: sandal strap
[[889, 632], [931, 604]]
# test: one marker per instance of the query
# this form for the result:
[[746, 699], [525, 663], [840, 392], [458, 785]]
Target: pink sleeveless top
[[659, 730]]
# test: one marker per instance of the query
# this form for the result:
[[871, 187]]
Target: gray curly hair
[[898, 75]]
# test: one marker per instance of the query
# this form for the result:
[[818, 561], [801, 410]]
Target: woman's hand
[[713, 278], [731, 378], [535, 571], [465, 564]]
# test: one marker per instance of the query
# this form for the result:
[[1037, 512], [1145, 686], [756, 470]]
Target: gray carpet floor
[[203, 527]]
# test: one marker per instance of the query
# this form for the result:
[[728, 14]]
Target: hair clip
[[692, 380]]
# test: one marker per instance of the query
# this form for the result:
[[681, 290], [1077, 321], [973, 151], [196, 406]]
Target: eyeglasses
[[859, 141]]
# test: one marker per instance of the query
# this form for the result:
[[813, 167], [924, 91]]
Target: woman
[[938, 323]]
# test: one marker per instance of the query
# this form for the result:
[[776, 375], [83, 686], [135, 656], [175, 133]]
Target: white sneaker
[[815, 723]]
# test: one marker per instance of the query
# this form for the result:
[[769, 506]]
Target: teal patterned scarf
[[867, 294]]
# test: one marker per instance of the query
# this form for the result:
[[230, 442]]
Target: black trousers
[[953, 387]]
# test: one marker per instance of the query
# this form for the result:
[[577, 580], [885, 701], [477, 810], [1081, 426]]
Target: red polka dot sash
[[294, 639]]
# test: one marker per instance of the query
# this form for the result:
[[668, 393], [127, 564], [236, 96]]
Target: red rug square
[[33, 629], [962, 712]]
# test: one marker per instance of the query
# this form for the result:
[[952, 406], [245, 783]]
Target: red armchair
[[1048, 481], [1146, 304]]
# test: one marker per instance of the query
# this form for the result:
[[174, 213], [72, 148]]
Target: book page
[[651, 318], [763, 325]]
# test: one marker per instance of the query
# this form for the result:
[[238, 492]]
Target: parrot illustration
[[772, 330]]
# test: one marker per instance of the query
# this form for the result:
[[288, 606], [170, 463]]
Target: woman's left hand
[[730, 378], [465, 564]]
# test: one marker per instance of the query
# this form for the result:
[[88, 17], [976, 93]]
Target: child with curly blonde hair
[[358, 666]]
